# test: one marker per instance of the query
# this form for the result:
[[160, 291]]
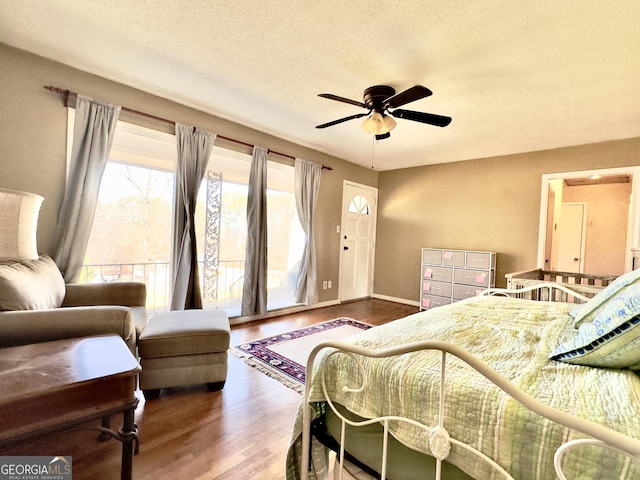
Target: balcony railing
[[225, 285], [220, 289]]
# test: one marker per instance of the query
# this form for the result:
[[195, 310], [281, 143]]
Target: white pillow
[[18, 224]]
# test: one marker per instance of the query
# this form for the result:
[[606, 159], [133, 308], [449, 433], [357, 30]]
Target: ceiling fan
[[378, 100]]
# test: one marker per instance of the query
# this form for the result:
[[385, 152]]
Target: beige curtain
[[194, 149], [307, 190], [254, 291], [95, 125]]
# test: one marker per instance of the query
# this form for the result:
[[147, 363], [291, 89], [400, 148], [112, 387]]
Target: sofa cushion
[[31, 285]]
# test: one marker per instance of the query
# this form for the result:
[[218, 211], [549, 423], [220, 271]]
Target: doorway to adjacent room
[[589, 221]]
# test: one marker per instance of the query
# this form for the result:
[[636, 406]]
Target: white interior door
[[357, 240], [571, 237]]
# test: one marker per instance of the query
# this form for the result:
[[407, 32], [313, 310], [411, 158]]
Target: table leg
[[129, 438], [106, 425]]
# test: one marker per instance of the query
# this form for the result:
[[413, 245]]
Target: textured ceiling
[[516, 76]]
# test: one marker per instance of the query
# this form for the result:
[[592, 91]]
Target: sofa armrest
[[129, 294], [21, 327]]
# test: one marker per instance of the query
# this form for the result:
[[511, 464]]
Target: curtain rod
[[69, 93]]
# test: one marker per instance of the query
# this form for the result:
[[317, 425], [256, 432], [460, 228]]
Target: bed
[[522, 379]]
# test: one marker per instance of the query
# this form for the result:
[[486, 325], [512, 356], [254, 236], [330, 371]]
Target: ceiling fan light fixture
[[388, 123], [372, 123], [378, 124], [379, 99]]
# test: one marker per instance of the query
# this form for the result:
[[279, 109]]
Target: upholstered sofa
[[37, 306]]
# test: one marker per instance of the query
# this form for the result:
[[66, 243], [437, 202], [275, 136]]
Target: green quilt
[[515, 338]]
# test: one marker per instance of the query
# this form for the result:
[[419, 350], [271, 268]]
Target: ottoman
[[184, 347]]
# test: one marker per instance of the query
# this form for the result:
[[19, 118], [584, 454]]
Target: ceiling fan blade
[[409, 95], [429, 118], [331, 96], [345, 119]]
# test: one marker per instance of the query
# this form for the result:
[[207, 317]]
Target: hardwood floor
[[239, 433]]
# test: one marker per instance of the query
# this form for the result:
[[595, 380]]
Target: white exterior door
[[571, 237], [357, 240]]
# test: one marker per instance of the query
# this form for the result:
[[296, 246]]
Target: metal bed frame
[[440, 441]]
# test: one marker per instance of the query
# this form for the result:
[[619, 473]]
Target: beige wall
[[488, 204], [33, 144]]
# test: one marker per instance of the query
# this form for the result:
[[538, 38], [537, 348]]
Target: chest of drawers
[[447, 276]]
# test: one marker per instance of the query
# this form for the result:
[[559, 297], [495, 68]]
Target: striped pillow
[[588, 311], [612, 339]]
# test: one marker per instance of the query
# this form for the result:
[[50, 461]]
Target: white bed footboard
[[542, 291], [440, 441]]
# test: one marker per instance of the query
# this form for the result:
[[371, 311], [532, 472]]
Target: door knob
[[576, 259], [345, 248]]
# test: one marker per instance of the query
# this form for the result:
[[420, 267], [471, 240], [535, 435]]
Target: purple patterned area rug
[[284, 356]]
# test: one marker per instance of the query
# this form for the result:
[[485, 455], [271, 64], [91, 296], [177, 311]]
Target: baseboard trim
[[280, 312], [302, 308], [404, 301]]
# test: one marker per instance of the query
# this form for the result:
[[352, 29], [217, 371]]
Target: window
[[360, 205], [131, 234], [285, 236], [222, 230]]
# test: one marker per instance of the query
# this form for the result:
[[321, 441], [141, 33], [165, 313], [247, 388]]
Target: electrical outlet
[[324, 285]]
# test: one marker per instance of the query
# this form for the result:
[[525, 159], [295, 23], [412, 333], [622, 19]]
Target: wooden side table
[[52, 386]]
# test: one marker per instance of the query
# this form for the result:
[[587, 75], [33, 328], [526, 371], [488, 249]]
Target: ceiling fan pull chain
[[373, 145]]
